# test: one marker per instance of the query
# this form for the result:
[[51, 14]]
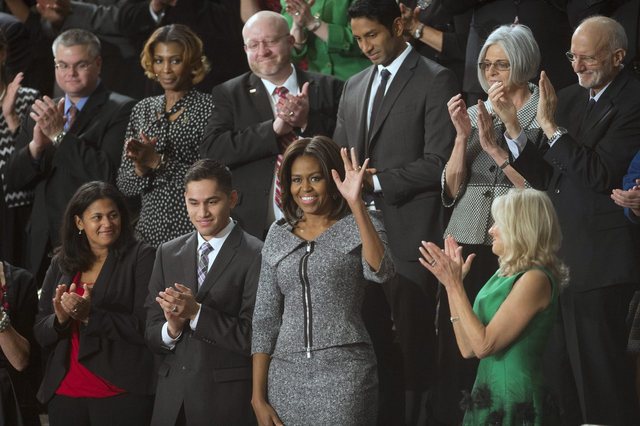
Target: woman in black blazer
[[91, 318]]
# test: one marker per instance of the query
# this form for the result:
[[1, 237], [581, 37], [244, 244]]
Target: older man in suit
[[68, 142], [259, 113], [200, 306], [579, 168], [395, 113]]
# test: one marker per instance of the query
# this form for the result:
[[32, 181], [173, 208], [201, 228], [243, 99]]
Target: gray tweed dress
[[308, 318]]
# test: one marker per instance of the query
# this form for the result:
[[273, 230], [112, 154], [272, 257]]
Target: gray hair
[[521, 49], [76, 37], [609, 30]]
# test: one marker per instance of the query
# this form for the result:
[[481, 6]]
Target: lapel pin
[[252, 90]]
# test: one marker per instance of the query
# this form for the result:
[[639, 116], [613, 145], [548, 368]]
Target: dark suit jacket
[[112, 343], [580, 171], [91, 150], [409, 144], [240, 135], [209, 370]]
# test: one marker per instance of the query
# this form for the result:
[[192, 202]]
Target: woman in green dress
[[513, 313]]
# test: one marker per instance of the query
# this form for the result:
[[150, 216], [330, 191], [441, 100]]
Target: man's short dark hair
[[382, 11], [210, 169]]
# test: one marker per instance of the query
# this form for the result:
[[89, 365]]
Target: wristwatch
[[417, 33], [556, 135]]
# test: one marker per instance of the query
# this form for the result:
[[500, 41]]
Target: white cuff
[[516, 146], [376, 184], [169, 341], [194, 322]]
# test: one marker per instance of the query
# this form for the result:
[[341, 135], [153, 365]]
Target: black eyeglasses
[[499, 65]]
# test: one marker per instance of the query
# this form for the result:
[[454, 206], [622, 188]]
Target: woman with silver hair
[[478, 171]]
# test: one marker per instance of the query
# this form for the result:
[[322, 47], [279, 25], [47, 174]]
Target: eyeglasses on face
[[586, 59], [81, 66], [253, 45], [499, 65]]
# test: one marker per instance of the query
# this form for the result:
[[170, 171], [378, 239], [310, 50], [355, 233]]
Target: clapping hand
[[459, 116], [300, 11], [74, 305], [354, 176], [487, 135], [547, 105], [504, 108], [49, 116], [9, 103], [410, 19], [142, 153], [629, 198], [294, 109], [447, 265]]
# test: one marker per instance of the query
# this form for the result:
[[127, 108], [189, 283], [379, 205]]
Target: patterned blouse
[[24, 99], [471, 217], [163, 214]]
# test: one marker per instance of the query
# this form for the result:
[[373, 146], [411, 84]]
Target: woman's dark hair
[[74, 253], [4, 46], [384, 12], [192, 50], [327, 152]]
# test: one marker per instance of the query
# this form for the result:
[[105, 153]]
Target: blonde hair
[[530, 233]]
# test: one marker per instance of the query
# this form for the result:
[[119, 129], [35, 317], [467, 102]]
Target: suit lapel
[[223, 259], [591, 128], [187, 256], [88, 112], [259, 98], [362, 143], [405, 72]]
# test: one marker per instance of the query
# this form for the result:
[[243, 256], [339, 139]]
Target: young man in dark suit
[[200, 306], [579, 167], [395, 114], [251, 124], [68, 142]]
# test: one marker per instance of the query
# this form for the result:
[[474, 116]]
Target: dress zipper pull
[[308, 352]]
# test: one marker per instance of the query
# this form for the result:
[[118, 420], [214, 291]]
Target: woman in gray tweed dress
[[478, 171], [313, 362]]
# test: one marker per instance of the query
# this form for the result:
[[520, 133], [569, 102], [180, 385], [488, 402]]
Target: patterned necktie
[[203, 262], [377, 100], [71, 117], [284, 141]]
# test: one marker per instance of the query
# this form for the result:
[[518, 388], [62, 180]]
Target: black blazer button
[[487, 193], [492, 168]]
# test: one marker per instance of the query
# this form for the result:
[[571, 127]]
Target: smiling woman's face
[[101, 223]]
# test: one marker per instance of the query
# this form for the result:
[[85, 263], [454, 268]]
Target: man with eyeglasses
[[579, 167], [258, 114], [67, 142]]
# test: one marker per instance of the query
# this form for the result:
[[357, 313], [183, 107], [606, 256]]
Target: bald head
[[598, 47], [265, 18], [607, 31], [268, 45]]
